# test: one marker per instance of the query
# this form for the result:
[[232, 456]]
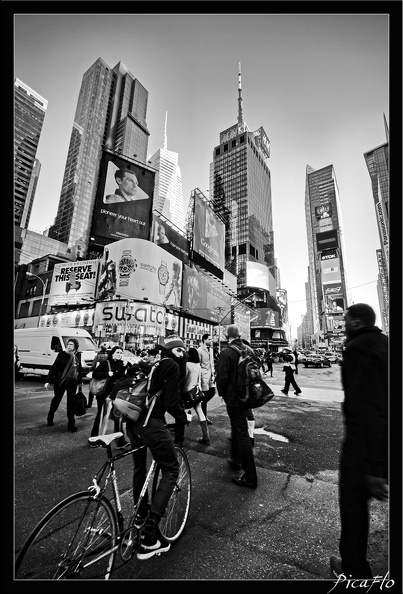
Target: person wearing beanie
[[159, 440]]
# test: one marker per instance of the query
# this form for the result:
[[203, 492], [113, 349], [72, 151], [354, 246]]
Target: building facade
[[29, 114], [377, 161], [168, 195], [326, 254], [111, 113]]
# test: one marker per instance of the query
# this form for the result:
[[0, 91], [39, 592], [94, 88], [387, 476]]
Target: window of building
[[242, 249], [252, 251], [217, 151], [233, 143], [225, 148], [242, 138], [233, 250]]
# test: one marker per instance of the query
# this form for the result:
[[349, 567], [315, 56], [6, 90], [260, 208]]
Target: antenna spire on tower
[[165, 132], [240, 112], [386, 128]]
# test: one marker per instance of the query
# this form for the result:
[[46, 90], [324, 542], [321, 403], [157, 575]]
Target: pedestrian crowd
[[187, 379]]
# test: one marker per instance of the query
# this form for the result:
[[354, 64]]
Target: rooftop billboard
[[73, 282]]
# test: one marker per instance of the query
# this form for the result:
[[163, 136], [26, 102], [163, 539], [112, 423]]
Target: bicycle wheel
[[75, 540], [174, 520]]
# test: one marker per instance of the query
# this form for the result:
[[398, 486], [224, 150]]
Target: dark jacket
[[102, 371], [100, 356], [56, 371], [365, 381], [226, 372], [167, 377]]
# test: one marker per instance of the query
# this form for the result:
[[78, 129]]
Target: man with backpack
[[157, 437], [227, 370]]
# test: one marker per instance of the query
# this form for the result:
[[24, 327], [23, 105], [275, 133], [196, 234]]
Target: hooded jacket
[[365, 408]]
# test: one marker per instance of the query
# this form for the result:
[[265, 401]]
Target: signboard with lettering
[[73, 282], [327, 240]]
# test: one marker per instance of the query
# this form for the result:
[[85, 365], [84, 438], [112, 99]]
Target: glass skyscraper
[[168, 195], [240, 190], [377, 161], [111, 113], [29, 113]]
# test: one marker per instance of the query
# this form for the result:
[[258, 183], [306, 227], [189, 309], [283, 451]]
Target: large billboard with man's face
[[124, 199]]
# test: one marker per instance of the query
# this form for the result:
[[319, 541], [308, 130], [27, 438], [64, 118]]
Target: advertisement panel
[[168, 239], [73, 282], [242, 317], [328, 255], [336, 324], [333, 303], [139, 269], [258, 276], [383, 230], [333, 289], [282, 301], [230, 280], [124, 199], [330, 270], [208, 234], [69, 319], [202, 299], [323, 211], [327, 240], [264, 317], [137, 318]]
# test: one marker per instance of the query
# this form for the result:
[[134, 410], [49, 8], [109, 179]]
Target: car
[[331, 356], [316, 360], [301, 357]]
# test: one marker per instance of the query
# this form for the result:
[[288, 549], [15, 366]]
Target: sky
[[318, 84]]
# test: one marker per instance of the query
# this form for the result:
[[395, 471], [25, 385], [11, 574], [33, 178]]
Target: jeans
[[354, 513], [70, 388], [241, 447], [161, 444]]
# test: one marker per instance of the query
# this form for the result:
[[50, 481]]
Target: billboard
[[203, 299], [170, 240], [73, 282], [327, 240], [139, 269], [336, 324], [69, 319], [333, 303], [264, 317], [383, 230], [333, 289], [138, 318], [208, 234], [323, 211], [124, 199], [258, 276], [330, 270], [282, 301]]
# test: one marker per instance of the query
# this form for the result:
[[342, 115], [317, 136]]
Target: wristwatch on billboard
[[126, 266], [163, 276]]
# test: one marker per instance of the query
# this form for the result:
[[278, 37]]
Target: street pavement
[[284, 531]]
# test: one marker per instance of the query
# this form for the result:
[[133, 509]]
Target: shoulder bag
[[98, 386]]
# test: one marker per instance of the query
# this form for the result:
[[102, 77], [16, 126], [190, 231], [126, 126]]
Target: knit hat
[[173, 341]]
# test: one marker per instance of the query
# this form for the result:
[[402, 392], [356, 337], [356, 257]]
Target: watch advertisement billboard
[[140, 269], [124, 199], [203, 299], [168, 239], [73, 282], [264, 317], [327, 240], [208, 234], [258, 276]]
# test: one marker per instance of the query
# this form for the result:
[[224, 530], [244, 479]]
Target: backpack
[[131, 396], [249, 385]]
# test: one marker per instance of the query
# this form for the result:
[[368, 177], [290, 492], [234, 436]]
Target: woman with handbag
[[112, 370], [65, 375], [192, 394]]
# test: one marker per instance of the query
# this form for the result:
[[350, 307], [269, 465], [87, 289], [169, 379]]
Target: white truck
[[38, 348]]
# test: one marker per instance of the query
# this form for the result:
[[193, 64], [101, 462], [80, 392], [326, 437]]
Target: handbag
[[98, 386], [192, 397], [80, 403]]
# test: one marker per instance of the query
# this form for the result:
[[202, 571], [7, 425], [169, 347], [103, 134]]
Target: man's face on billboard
[[128, 184]]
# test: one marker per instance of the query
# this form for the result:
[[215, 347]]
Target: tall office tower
[[168, 197], [377, 161], [29, 113], [111, 113], [240, 186], [326, 254], [36, 169]]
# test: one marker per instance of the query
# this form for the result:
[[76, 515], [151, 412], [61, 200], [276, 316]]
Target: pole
[[125, 324], [43, 295]]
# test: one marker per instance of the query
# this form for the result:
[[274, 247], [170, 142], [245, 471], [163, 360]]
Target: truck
[[38, 348]]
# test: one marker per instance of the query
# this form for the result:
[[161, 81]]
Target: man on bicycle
[[160, 442]]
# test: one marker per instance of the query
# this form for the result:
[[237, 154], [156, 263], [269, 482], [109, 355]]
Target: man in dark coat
[[364, 456], [242, 452]]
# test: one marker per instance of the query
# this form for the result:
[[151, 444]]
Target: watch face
[[163, 275], [127, 265]]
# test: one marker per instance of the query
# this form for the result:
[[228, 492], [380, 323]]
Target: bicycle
[[80, 537]]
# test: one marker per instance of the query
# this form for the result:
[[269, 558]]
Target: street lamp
[[43, 294]]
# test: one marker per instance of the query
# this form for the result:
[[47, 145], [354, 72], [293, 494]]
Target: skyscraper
[[377, 161], [240, 190], [29, 113], [111, 113], [168, 197], [326, 254]]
